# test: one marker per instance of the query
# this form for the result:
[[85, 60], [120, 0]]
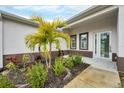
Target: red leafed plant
[[11, 59]]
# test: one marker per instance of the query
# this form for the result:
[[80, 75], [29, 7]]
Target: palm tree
[[47, 35]]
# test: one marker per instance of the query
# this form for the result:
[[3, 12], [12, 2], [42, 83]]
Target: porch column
[[120, 31], [1, 38]]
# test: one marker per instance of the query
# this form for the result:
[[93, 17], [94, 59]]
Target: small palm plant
[[47, 35]]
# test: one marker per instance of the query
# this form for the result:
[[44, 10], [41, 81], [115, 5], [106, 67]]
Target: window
[[83, 41], [73, 41]]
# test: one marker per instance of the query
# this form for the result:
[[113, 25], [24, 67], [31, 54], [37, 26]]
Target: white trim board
[[1, 45]]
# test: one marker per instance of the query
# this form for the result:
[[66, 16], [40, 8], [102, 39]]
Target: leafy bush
[[37, 75], [58, 67], [5, 82], [10, 66], [77, 59], [69, 62], [25, 59]]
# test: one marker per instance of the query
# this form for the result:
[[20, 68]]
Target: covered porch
[[96, 34]]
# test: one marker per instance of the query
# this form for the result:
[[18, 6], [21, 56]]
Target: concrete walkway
[[97, 75], [101, 64]]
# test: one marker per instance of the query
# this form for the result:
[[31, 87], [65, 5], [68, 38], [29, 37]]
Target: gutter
[[0, 17], [17, 18]]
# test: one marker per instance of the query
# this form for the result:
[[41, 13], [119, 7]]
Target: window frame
[[75, 36], [87, 40]]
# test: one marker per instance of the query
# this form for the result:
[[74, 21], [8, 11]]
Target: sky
[[48, 12]]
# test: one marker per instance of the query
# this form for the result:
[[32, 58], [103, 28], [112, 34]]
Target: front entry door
[[102, 45]]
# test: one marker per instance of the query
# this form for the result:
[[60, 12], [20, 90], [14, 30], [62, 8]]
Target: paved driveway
[[97, 75]]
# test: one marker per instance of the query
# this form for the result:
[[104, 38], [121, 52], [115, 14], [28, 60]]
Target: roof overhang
[[89, 14], [10, 16]]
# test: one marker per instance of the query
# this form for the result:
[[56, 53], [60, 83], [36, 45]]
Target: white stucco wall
[[121, 31], [1, 45], [107, 24], [14, 34], [63, 45]]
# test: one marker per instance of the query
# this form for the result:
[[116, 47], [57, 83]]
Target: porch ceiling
[[102, 15]]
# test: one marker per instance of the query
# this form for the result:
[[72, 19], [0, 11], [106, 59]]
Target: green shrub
[[37, 75], [58, 67], [10, 66], [25, 59], [5, 82], [77, 59], [69, 62]]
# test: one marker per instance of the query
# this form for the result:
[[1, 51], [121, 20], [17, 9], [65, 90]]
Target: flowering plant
[[11, 59]]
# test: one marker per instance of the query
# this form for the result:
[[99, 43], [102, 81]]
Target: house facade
[[97, 32], [13, 30]]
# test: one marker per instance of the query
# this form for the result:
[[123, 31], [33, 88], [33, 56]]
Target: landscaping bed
[[58, 82], [37, 75]]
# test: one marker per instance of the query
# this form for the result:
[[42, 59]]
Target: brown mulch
[[58, 82], [19, 79]]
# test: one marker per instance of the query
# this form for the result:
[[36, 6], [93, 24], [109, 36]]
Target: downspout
[[1, 42]]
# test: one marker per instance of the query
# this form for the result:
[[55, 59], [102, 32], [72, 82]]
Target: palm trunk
[[50, 55], [39, 48], [46, 62]]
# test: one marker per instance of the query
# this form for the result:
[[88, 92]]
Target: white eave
[[90, 13], [17, 18]]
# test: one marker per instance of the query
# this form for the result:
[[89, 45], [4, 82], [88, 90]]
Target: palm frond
[[65, 36], [38, 19], [58, 23], [30, 41], [57, 43]]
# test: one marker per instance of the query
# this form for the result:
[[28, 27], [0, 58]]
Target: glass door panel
[[104, 44]]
